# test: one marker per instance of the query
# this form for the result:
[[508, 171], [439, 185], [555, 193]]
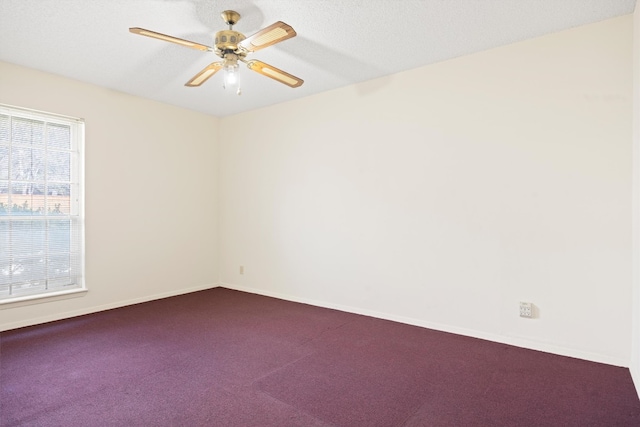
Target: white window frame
[[76, 214]]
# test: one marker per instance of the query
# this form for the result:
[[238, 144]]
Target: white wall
[[635, 352], [445, 195], [151, 194]]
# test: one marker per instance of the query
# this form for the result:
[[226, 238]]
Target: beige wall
[[151, 194], [444, 195], [441, 196]]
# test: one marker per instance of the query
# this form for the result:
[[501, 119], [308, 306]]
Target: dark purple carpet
[[228, 358]]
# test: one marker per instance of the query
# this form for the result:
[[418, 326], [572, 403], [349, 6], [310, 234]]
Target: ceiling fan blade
[[160, 36], [204, 75], [274, 73], [266, 37]]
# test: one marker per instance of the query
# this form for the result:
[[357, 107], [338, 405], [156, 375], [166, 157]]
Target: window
[[41, 208]]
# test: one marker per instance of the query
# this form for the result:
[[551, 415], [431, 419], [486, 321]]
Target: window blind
[[41, 214]]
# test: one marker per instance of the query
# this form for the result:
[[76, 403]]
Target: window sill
[[38, 299]]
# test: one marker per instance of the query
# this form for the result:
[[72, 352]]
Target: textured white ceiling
[[339, 42]]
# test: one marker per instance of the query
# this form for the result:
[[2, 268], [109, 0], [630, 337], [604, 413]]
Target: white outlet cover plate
[[526, 309]]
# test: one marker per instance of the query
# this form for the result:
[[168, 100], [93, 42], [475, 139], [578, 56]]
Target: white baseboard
[[517, 342], [95, 309]]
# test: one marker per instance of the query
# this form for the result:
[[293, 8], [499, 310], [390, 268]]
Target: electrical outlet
[[526, 310], [242, 269]]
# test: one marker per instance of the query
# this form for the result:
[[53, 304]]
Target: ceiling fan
[[232, 46]]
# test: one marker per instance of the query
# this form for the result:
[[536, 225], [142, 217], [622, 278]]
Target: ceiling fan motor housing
[[226, 41]]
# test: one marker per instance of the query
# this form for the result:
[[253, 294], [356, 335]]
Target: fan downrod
[[230, 17]]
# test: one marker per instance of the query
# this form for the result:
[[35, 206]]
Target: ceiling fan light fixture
[[231, 73]]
